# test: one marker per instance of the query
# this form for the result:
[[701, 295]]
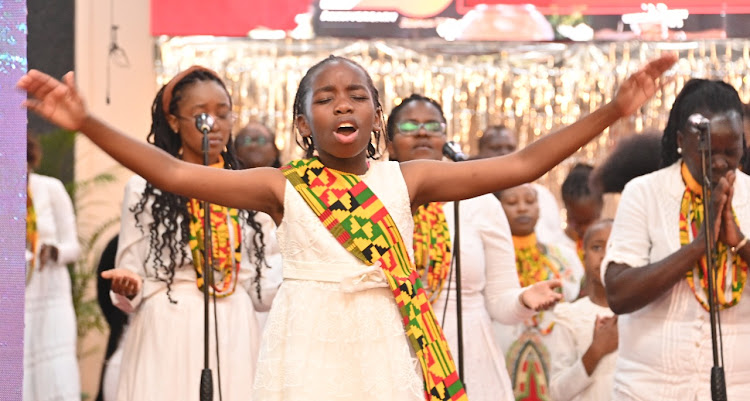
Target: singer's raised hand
[[58, 102], [639, 87]]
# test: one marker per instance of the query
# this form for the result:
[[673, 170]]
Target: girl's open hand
[[58, 102], [639, 87], [124, 282], [541, 295]]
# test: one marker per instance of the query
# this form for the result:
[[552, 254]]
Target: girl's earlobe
[[302, 126]]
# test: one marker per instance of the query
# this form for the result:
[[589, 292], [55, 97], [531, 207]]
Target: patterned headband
[[169, 87]]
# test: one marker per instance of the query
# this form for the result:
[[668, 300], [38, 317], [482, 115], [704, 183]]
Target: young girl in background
[[347, 322], [583, 344]]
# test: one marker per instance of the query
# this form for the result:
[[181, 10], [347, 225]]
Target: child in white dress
[[337, 113]]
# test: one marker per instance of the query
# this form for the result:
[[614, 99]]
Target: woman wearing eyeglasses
[[160, 274], [490, 287]]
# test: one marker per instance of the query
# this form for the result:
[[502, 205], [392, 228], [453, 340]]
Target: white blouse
[[571, 338], [665, 348]]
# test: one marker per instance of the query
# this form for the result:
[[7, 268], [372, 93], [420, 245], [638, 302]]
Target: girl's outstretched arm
[[441, 181], [60, 103]]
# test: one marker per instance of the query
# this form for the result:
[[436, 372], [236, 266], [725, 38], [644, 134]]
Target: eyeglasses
[[249, 141], [431, 128]]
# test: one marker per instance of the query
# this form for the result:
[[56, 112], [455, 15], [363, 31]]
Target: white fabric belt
[[352, 278]]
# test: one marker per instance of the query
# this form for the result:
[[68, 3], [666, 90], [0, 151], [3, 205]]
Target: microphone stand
[[459, 308], [718, 385], [204, 123], [452, 150]]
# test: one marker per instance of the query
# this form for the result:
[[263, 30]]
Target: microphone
[[452, 150], [204, 122], [698, 123]]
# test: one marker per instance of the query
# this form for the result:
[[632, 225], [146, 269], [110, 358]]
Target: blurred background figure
[[255, 146], [527, 344], [583, 205], [583, 345], [746, 128], [50, 332], [117, 321], [499, 140], [631, 157]]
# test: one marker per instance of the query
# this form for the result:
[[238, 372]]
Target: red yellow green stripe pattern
[[432, 247]]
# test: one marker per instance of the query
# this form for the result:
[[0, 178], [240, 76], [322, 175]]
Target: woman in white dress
[[489, 284], [159, 271], [50, 361]]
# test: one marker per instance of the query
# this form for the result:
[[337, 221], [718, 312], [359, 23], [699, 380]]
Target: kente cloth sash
[[32, 236], [361, 224], [432, 247], [225, 257], [730, 272]]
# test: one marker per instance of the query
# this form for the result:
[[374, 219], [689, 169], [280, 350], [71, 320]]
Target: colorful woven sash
[[225, 264], [361, 224], [533, 266], [32, 235], [731, 273], [432, 247]]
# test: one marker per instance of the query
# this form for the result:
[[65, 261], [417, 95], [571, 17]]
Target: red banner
[[589, 7], [238, 17], [223, 17]]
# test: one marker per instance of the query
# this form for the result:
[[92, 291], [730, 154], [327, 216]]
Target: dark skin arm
[[629, 289], [60, 103], [431, 180]]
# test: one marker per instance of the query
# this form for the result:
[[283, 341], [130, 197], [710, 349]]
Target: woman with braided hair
[[159, 272], [655, 272]]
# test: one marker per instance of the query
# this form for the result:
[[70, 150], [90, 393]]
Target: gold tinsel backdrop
[[533, 88]]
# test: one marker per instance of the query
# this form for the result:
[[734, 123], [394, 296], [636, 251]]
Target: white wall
[[132, 90]]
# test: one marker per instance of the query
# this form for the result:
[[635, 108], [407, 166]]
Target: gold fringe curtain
[[533, 88]]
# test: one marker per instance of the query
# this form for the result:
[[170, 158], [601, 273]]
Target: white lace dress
[[334, 331], [162, 355]]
